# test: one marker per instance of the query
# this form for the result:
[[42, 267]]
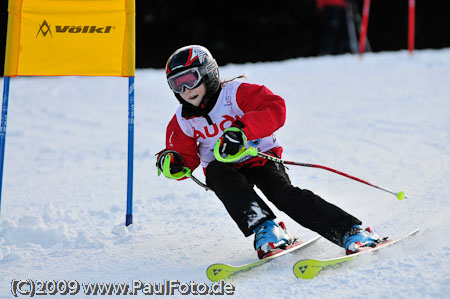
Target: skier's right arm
[[182, 153]]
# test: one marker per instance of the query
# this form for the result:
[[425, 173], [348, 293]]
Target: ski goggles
[[189, 78]]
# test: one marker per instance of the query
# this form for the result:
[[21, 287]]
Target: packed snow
[[384, 118]]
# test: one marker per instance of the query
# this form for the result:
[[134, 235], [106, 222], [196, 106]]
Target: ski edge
[[230, 270], [342, 259]]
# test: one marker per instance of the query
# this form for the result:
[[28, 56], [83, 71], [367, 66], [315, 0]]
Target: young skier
[[242, 115]]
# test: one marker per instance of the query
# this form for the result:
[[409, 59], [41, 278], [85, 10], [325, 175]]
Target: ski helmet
[[198, 61]]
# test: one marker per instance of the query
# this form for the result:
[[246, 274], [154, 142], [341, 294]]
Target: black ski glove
[[175, 168], [233, 139]]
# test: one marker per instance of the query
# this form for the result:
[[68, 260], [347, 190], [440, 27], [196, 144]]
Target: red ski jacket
[[261, 112]]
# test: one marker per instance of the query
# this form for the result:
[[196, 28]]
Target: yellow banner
[[70, 38]]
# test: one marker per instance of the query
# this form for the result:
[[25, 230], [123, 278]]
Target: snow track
[[385, 118]]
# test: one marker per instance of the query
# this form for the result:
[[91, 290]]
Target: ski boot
[[270, 237], [357, 237]]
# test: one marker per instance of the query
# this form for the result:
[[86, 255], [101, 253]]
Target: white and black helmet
[[196, 63]]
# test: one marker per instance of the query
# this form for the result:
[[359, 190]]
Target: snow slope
[[384, 118]]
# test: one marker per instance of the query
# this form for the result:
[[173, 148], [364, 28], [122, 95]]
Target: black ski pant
[[234, 187]]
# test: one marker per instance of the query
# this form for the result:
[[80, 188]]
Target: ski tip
[[401, 195], [218, 272]]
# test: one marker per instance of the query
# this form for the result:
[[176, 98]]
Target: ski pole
[[254, 152], [200, 183], [400, 195]]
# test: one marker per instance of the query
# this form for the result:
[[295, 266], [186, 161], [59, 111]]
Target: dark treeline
[[251, 30]]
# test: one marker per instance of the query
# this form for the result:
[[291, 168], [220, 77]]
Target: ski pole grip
[[185, 172], [233, 158]]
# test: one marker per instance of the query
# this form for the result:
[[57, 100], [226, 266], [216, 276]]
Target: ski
[[310, 268], [217, 272]]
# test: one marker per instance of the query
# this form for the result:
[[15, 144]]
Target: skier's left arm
[[264, 112]]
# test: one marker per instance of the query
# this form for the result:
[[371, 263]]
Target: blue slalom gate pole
[[3, 131], [129, 216]]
